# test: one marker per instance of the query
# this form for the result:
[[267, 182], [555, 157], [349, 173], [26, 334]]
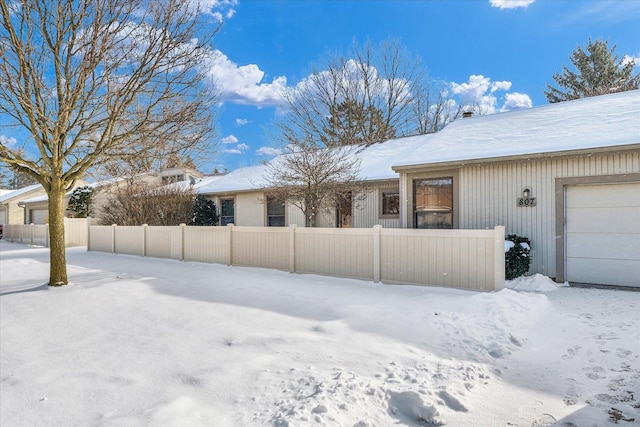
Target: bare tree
[[96, 80], [433, 107], [371, 94], [142, 203], [314, 179]]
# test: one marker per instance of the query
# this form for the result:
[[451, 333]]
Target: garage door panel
[[608, 272], [3, 217], [40, 216], [602, 246], [599, 220], [603, 234], [604, 196]]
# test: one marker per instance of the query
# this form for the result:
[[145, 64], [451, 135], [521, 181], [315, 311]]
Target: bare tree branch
[[91, 81]]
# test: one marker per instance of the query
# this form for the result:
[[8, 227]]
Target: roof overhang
[[518, 158]]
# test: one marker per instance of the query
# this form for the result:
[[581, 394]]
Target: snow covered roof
[[243, 179], [604, 121], [19, 192], [589, 123]]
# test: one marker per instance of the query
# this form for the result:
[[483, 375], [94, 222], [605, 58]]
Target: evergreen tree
[[204, 212], [598, 72], [353, 122], [80, 202]]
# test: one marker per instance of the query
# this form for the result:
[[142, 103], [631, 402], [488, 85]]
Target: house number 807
[[526, 201]]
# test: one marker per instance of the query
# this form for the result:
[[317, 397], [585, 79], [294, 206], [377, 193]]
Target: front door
[[344, 210]]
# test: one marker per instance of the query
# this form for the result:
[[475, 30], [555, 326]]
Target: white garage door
[[40, 216], [3, 217], [603, 234]]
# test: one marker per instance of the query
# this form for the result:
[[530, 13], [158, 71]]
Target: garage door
[[603, 234], [3, 216], [40, 216]]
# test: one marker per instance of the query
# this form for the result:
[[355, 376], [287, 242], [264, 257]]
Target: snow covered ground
[[138, 341]]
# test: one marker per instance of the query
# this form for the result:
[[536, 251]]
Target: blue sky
[[496, 53], [475, 45]]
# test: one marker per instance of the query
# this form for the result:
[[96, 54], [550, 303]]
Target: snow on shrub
[[517, 256]]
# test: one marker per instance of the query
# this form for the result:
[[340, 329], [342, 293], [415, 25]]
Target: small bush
[[517, 256]]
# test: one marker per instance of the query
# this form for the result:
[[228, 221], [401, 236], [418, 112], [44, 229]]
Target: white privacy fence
[[468, 259], [76, 233]]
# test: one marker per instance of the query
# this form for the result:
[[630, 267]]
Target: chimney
[[467, 114]]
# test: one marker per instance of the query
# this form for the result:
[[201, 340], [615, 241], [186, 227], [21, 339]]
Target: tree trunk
[[57, 253]]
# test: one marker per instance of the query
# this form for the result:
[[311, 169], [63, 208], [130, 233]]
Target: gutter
[[518, 157]]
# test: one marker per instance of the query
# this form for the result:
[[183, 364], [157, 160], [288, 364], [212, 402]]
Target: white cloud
[[239, 149], [224, 9], [516, 101], [635, 59], [231, 139], [495, 86], [241, 122], [510, 4], [479, 94], [268, 151], [8, 141], [243, 84], [474, 94]]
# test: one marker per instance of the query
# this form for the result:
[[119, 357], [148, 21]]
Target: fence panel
[[335, 252], [207, 244], [76, 231], [265, 247], [129, 240], [450, 258], [469, 259], [101, 238], [159, 241], [39, 234]]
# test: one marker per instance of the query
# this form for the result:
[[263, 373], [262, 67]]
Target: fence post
[[230, 228], [499, 259], [182, 230], [292, 248], [113, 238], [144, 239], [377, 230], [31, 234], [88, 233]]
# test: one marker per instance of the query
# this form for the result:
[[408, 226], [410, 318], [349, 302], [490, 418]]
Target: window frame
[[268, 202], [381, 196], [407, 197], [233, 215]]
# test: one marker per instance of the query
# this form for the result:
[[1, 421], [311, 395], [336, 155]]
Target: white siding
[[366, 209], [250, 209], [488, 196]]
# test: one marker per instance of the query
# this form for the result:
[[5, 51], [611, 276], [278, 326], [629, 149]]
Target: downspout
[[24, 213]]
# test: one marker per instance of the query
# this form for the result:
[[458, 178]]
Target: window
[[227, 211], [433, 203], [172, 178], [390, 200], [275, 212]]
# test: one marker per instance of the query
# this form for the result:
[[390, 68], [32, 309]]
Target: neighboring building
[[565, 175], [36, 209], [11, 212]]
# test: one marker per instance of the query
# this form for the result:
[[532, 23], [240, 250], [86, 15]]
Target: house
[[11, 212], [565, 175], [36, 209], [242, 196]]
